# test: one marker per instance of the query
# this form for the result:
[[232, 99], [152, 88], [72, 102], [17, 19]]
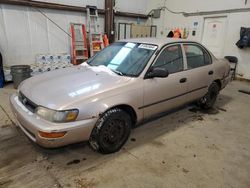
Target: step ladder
[[79, 49], [93, 28]]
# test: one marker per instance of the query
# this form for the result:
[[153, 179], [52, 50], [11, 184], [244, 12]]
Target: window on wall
[[124, 30], [171, 59], [196, 56]]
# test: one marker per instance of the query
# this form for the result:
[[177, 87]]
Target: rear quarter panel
[[221, 68]]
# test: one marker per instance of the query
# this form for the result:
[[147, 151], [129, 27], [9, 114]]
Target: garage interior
[[185, 147]]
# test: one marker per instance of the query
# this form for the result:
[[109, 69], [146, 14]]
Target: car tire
[[209, 99], [111, 131]]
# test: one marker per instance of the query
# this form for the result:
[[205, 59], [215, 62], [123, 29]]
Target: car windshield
[[124, 58]]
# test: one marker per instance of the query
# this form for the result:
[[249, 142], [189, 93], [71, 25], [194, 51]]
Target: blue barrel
[[1, 72], [1, 78]]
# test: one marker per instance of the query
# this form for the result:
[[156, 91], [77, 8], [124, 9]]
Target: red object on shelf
[[105, 40]]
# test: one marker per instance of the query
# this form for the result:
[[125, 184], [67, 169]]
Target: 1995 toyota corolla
[[122, 85]]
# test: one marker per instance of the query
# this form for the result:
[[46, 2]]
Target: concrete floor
[[187, 148]]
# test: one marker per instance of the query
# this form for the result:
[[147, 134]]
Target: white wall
[[234, 22], [26, 33], [136, 6]]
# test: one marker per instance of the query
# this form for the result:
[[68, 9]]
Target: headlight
[[57, 116]]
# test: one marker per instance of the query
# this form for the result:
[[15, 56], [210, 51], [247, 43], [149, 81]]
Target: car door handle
[[183, 80], [210, 72]]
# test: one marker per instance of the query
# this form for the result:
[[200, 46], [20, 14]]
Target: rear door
[[199, 70], [161, 94]]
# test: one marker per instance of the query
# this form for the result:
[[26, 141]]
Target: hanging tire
[[209, 99], [111, 131]]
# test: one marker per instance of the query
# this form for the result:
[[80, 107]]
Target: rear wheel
[[111, 131], [209, 99]]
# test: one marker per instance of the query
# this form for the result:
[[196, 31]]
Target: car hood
[[60, 88]]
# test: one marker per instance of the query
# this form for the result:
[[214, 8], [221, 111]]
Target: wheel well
[[129, 110], [218, 82]]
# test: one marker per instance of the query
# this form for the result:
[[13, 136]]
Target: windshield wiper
[[118, 72]]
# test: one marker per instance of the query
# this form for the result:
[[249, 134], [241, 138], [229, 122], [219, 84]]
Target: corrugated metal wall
[[26, 33]]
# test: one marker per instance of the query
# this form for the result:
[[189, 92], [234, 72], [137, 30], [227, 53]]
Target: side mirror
[[157, 72]]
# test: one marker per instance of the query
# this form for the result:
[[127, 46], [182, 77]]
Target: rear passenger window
[[171, 59], [196, 56]]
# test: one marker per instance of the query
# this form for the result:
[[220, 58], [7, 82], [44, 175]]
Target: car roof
[[156, 41]]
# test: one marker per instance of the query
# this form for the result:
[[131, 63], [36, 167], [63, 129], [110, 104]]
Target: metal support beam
[[131, 15], [109, 20], [39, 4]]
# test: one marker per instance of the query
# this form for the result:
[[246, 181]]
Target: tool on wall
[[93, 28], [79, 49]]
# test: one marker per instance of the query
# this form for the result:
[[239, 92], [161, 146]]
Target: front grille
[[26, 102]]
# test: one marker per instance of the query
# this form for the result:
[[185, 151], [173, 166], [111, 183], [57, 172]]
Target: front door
[[161, 94]]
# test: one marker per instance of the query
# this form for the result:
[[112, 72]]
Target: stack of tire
[[1, 72]]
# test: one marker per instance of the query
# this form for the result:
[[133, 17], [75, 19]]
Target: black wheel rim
[[113, 133]]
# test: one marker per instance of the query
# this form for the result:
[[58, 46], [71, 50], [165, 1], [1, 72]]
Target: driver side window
[[171, 59]]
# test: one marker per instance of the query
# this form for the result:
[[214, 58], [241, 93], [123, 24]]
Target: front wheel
[[209, 99], [111, 131]]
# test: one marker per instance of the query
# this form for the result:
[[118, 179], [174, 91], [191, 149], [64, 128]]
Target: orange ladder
[[79, 49]]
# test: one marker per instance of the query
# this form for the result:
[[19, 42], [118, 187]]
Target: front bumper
[[30, 124]]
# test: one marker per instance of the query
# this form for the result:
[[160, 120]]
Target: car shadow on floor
[[80, 157]]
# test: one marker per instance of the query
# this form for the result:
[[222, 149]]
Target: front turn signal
[[52, 134]]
